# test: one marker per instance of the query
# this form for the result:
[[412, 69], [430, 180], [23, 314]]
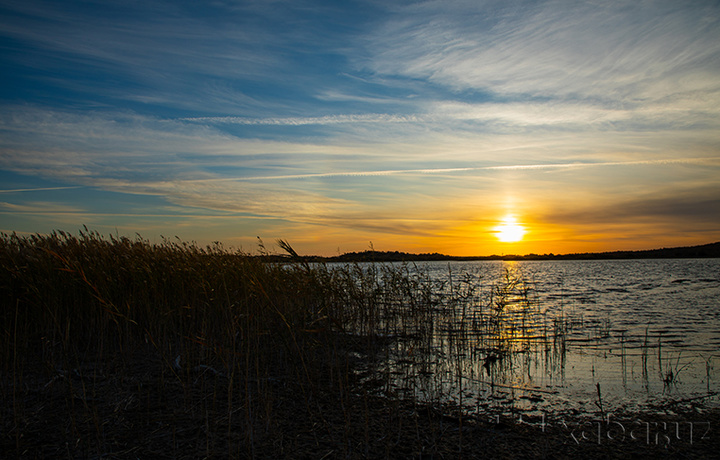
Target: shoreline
[[142, 408], [705, 251]]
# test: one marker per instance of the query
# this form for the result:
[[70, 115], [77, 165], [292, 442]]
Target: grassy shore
[[119, 348]]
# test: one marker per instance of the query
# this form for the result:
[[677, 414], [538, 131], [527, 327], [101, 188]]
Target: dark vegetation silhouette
[[121, 348]]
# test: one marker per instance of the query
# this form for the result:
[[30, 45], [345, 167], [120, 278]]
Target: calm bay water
[[566, 336]]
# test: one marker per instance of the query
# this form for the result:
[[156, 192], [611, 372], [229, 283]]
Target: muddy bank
[[145, 407]]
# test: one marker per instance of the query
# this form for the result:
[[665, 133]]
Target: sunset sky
[[419, 126]]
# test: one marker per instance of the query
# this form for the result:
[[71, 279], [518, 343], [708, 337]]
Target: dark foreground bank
[[140, 407]]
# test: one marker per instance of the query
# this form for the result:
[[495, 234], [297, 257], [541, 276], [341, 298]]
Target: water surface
[[577, 336]]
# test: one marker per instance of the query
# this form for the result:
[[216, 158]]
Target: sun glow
[[510, 231]]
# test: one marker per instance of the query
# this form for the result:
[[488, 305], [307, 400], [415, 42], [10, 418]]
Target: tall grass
[[67, 295], [205, 351]]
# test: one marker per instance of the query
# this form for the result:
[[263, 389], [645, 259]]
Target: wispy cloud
[[516, 167], [605, 51], [37, 189], [688, 214], [164, 53], [300, 121], [40, 207]]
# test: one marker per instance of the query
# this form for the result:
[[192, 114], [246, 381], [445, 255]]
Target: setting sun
[[510, 231]]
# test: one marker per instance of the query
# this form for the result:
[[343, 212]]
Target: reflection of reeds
[[481, 341], [708, 369], [672, 372], [645, 352]]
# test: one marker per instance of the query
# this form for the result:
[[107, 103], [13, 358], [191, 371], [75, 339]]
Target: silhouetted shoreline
[[711, 250]]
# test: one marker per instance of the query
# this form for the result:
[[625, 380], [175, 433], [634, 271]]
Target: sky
[[455, 126]]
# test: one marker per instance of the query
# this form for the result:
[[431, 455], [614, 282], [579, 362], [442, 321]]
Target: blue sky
[[417, 126]]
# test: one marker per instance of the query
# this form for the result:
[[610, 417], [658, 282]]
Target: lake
[[559, 336]]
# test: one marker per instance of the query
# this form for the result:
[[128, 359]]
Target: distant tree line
[[690, 252]]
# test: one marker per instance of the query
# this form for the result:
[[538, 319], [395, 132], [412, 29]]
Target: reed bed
[[121, 348], [120, 345]]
